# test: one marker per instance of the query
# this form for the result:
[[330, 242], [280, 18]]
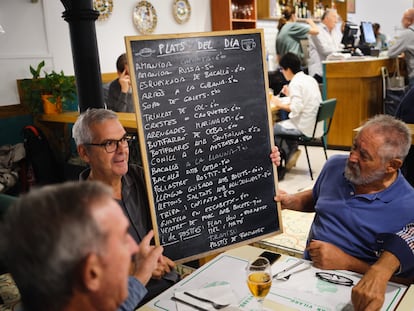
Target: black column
[[81, 17]]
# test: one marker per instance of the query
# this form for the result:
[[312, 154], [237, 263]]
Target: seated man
[[67, 247], [102, 142], [304, 99], [119, 93], [357, 198], [398, 257]]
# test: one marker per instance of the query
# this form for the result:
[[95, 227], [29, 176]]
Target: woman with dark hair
[[303, 99], [291, 32]]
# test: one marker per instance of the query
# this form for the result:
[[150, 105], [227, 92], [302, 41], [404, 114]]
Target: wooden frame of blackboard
[[205, 131]]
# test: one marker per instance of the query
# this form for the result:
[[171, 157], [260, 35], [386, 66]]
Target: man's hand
[[302, 201], [165, 265], [369, 293], [327, 256], [147, 259], [124, 81], [275, 156]]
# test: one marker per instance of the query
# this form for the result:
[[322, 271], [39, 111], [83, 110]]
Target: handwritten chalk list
[[205, 134]]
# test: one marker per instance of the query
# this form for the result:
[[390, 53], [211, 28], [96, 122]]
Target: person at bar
[[67, 247], [290, 32], [326, 42], [404, 44]]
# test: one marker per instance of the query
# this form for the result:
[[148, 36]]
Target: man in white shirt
[[325, 43], [303, 102]]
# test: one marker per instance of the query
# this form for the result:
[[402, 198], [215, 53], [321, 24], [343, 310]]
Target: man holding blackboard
[[304, 99], [102, 142]]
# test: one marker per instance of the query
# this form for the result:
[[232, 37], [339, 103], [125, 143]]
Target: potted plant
[[57, 89], [53, 89]]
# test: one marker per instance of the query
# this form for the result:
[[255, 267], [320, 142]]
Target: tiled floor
[[298, 178]]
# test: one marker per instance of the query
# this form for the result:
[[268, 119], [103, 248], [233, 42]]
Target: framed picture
[[350, 6]]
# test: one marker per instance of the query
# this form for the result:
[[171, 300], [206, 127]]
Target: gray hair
[[395, 134], [327, 12], [45, 237], [81, 130]]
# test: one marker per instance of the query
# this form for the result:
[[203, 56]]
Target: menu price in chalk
[[202, 102]]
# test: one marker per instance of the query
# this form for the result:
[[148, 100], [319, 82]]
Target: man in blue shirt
[[358, 197]]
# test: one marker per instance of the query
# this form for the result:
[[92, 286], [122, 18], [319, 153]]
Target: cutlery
[[216, 305], [284, 274], [188, 303]]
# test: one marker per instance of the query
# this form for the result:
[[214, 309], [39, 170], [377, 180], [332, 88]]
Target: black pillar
[[81, 17]]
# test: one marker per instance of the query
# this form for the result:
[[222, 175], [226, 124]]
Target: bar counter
[[356, 83]]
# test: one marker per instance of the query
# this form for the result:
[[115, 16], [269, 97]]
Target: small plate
[[145, 17], [104, 7], [181, 11]]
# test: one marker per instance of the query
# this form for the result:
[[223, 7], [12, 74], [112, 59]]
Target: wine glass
[[259, 278]]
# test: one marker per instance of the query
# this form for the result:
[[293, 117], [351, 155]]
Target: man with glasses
[[102, 143]]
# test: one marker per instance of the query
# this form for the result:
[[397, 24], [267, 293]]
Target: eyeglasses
[[334, 278], [111, 145]]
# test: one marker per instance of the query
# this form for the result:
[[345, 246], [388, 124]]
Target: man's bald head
[[408, 18]]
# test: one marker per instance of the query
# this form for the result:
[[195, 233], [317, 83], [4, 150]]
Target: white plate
[[145, 17], [181, 11]]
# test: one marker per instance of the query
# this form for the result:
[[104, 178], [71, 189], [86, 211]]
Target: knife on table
[[188, 304]]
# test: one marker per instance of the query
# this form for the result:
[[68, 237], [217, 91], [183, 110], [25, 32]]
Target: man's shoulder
[[337, 159]]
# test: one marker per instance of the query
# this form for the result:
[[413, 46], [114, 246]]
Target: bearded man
[[356, 198]]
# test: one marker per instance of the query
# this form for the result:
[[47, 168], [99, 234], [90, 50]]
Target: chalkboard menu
[[205, 132]]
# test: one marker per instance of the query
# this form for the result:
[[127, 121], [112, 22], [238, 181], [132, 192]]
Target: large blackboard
[[205, 132]]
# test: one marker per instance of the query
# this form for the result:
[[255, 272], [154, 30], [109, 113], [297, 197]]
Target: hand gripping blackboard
[[205, 131]]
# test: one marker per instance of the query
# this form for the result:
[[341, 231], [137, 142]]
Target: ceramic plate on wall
[[145, 17], [181, 11], [104, 7]]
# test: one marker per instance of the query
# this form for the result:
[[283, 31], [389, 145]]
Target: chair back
[[325, 113]]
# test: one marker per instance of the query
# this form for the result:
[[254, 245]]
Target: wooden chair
[[325, 113]]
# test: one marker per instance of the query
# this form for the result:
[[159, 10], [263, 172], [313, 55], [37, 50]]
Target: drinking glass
[[259, 278]]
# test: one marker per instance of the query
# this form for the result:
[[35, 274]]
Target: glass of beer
[[259, 278]]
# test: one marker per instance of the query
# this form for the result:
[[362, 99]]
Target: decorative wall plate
[[145, 17], [104, 7], [181, 11]]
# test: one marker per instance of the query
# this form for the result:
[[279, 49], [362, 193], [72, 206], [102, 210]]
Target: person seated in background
[[304, 98], [381, 39], [357, 198], [325, 43], [404, 44], [291, 32], [102, 143], [397, 258], [119, 94], [67, 247]]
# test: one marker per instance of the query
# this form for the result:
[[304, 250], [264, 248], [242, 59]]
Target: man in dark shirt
[[119, 95]]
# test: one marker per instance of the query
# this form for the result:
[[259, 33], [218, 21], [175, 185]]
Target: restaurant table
[[303, 291]]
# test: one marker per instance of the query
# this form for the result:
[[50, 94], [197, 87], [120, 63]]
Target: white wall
[[387, 13], [36, 31]]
